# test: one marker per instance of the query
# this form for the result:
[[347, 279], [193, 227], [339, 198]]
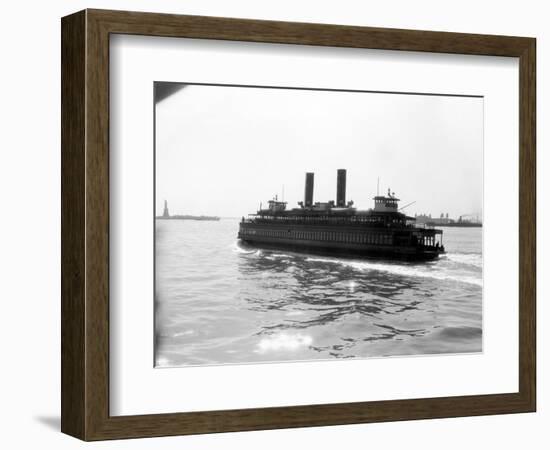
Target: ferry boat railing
[[333, 220]]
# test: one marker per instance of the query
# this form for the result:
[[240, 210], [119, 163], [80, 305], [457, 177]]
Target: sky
[[221, 150]]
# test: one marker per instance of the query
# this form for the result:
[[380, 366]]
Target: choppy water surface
[[219, 303]]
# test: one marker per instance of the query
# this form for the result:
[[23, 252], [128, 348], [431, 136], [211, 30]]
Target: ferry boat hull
[[336, 248]]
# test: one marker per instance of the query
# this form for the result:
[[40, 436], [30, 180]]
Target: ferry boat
[[337, 228]]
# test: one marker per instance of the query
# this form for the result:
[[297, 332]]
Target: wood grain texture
[[85, 224], [527, 224], [73, 226]]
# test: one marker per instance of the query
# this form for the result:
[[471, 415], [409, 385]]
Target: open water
[[220, 303]]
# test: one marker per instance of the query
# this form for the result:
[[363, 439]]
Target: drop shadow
[[51, 422]]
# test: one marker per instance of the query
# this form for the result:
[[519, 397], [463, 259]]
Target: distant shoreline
[[188, 217]]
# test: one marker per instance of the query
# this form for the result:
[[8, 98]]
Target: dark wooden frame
[[85, 224]]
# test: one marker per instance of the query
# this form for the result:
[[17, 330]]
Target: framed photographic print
[[272, 224]]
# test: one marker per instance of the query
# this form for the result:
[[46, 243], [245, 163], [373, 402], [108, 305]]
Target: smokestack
[[341, 188], [308, 195]]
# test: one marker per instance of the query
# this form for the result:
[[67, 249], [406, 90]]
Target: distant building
[[443, 219], [165, 214]]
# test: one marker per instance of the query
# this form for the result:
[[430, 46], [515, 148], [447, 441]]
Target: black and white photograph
[[298, 224]]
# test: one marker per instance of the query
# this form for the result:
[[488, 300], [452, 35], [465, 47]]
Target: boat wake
[[472, 259], [237, 248], [406, 270], [452, 267]]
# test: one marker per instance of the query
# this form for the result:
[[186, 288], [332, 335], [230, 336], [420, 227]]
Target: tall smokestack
[[308, 195], [341, 188]]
